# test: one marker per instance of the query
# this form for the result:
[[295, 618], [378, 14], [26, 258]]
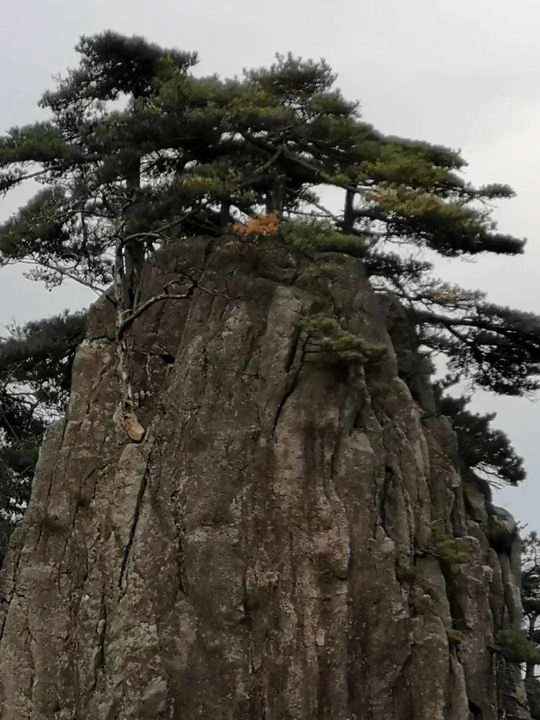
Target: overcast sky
[[463, 73]]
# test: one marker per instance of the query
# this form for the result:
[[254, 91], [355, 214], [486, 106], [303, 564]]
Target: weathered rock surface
[[290, 540]]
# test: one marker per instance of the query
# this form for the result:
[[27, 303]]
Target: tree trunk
[[134, 250], [348, 214]]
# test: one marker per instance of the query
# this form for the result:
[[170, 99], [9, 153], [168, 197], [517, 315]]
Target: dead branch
[[126, 322]]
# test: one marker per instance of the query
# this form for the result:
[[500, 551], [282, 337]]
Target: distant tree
[[35, 379]]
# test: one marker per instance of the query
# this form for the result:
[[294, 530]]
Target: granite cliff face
[[291, 540]]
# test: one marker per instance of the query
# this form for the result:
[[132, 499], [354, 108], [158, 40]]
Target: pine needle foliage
[[139, 151]]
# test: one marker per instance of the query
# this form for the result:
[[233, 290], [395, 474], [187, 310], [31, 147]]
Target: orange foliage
[[447, 296], [261, 225]]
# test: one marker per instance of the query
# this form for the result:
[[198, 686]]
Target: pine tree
[[496, 347], [138, 152], [35, 379], [483, 450]]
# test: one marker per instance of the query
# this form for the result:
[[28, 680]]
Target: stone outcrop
[[290, 539]]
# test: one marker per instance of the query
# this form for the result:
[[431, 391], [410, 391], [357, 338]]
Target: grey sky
[[462, 73]]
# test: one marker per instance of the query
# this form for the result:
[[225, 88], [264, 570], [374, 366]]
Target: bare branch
[[62, 271], [126, 322], [142, 308]]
